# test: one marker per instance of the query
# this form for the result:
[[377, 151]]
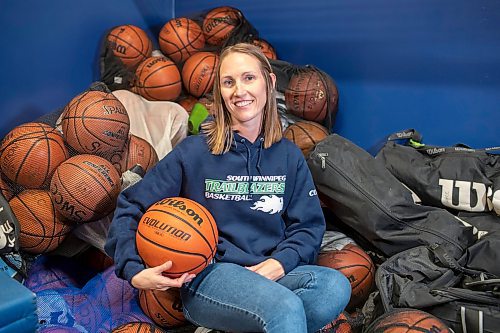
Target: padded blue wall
[[50, 49], [424, 64], [431, 65]]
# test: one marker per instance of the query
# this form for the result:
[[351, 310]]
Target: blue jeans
[[232, 298]]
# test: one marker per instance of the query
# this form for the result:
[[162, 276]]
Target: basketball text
[[65, 207], [181, 205], [177, 233]]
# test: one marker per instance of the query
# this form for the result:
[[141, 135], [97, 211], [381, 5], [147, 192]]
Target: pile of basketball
[[56, 178]]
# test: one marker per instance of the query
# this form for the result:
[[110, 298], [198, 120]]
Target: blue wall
[[424, 64]]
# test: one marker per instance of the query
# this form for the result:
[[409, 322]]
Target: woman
[[268, 214]]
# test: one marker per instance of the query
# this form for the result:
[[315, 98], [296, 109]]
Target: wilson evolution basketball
[[180, 230], [407, 321], [219, 23], [30, 153], [158, 79], [130, 44], [305, 134], [357, 266], [95, 122], [310, 94], [85, 187], [163, 307], [41, 228], [180, 38], [198, 73]]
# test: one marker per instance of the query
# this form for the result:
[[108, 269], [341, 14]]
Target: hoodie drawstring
[[259, 154]]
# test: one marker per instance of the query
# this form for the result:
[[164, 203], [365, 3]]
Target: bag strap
[[472, 320], [448, 261], [9, 228]]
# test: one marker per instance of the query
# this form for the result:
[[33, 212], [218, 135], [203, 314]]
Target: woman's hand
[[152, 278], [270, 268]]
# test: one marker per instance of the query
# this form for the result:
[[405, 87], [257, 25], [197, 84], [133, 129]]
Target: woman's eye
[[227, 83], [250, 77]]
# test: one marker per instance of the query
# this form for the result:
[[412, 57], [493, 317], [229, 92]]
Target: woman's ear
[[273, 80]]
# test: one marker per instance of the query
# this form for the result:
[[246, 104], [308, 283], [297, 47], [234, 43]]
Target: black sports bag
[[369, 200]]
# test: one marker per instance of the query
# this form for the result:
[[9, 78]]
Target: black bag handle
[[9, 228]]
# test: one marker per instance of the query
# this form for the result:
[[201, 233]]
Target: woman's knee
[[336, 287]]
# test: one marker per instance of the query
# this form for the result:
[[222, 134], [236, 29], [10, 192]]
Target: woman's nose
[[238, 88]]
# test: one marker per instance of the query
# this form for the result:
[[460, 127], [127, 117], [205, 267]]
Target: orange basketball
[[198, 73], [188, 103], [180, 230], [357, 266], [95, 122], [130, 43], [137, 151], [158, 79], [164, 307], [305, 134], [180, 38], [339, 325], [6, 188], [30, 153], [266, 48], [137, 327], [41, 228], [219, 23], [309, 95], [407, 321], [85, 187]]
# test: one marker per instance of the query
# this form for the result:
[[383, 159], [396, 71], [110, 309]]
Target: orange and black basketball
[[137, 151], [158, 79], [266, 48], [339, 325], [30, 153], [130, 44], [180, 230], [188, 103], [407, 321], [41, 227], [138, 327], [357, 266], [219, 23], [305, 134], [310, 94], [85, 187], [163, 307], [198, 73], [180, 38], [95, 122]]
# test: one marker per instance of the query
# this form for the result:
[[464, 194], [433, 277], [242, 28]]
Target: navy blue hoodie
[[263, 200]]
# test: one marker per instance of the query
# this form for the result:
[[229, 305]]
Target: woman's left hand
[[270, 268]]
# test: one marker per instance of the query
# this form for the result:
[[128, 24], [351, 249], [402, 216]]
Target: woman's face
[[243, 89]]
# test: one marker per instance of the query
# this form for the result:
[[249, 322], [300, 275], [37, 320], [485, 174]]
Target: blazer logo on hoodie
[[269, 204], [242, 188]]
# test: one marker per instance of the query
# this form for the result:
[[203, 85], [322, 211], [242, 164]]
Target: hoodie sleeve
[[163, 181], [305, 222]]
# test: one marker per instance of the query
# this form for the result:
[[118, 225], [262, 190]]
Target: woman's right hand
[[152, 278]]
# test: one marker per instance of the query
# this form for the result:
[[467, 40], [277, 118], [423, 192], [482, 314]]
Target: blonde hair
[[219, 131]]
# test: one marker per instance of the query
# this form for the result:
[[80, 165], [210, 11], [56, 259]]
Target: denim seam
[[312, 280], [231, 306]]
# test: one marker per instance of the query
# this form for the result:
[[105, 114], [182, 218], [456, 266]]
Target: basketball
[[164, 307], [41, 229], [130, 44], [30, 153], [198, 73], [305, 134], [85, 187], [407, 321], [95, 122], [219, 23], [266, 48], [180, 38], [188, 103], [137, 327], [339, 325], [180, 230], [307, 95], [158, 79], [357, 266], [138, 151]]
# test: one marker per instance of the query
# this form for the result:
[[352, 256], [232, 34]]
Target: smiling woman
[[258, 188]]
